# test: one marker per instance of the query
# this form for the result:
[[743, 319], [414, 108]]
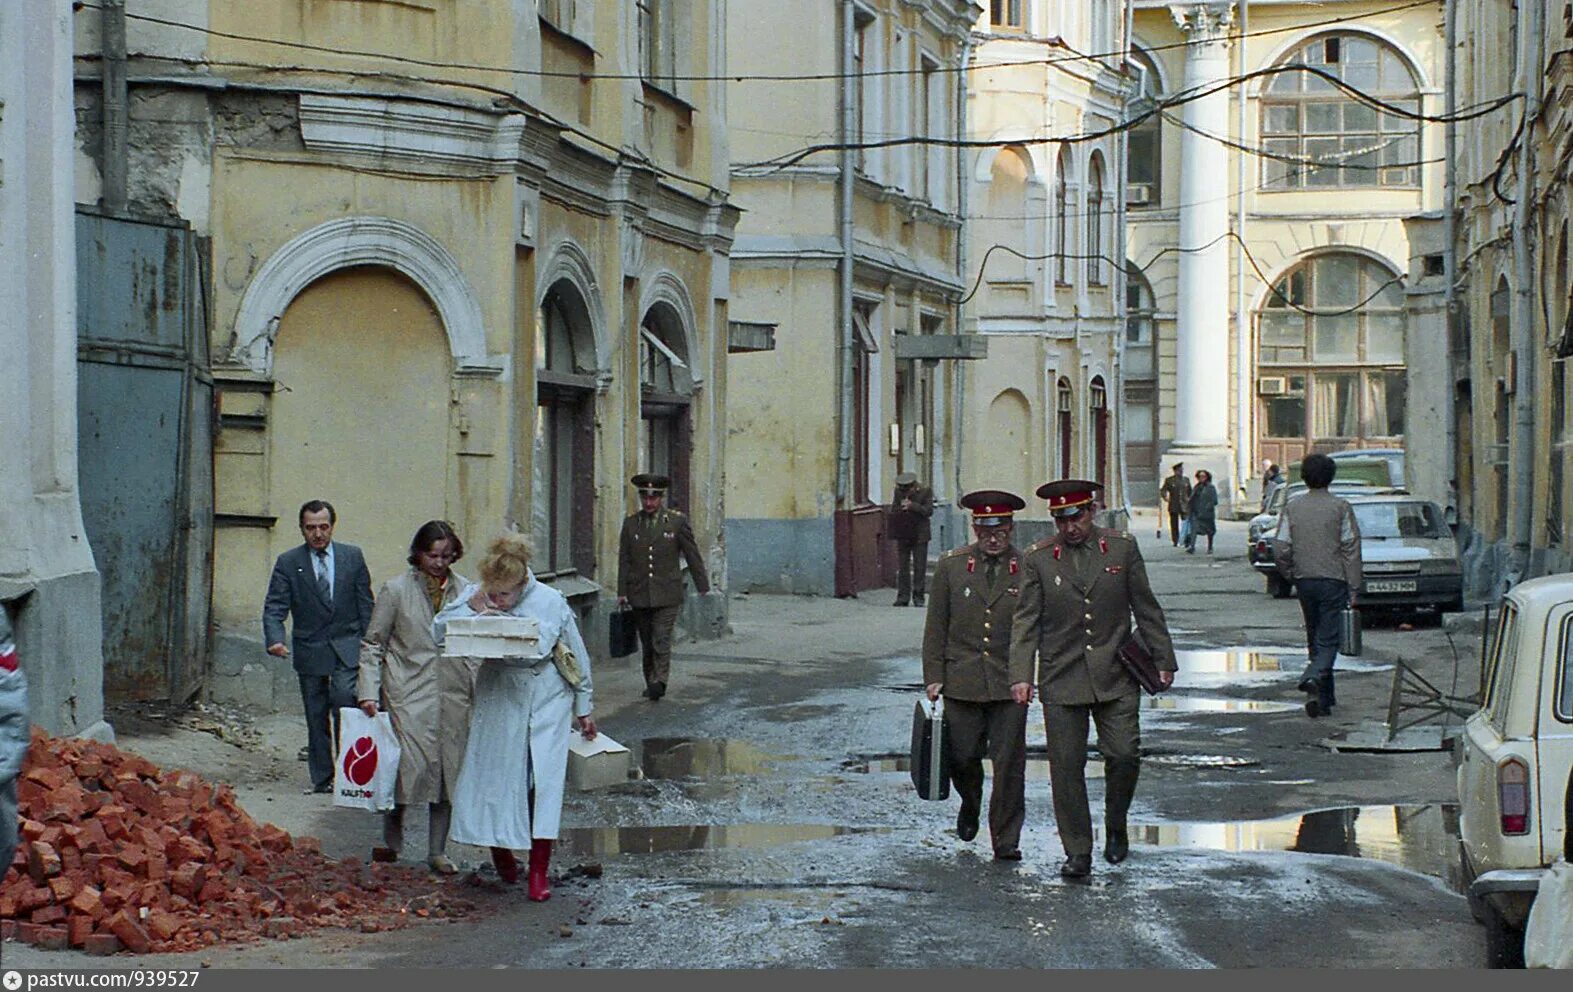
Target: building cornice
[[391, 132]]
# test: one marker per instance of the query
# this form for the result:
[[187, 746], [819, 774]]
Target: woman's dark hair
[[1318, 470], [430, 533]]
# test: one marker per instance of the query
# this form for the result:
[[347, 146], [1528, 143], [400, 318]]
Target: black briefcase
[[622, 636], [1133, 654], [930, 763]]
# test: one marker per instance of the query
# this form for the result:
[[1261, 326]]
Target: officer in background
[[966, 655], [650, 576], [910, 509], [1079, 590]]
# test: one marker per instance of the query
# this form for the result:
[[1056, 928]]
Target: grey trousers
[[999, 730], [1119, 738], [323, 696], [655, 625], [912, 563], [436, 828]]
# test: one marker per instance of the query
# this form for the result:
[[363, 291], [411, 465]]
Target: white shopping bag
[[368, 761], [1548, 936]]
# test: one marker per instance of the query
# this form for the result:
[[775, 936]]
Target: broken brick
[[101, 944], [51, 939], [78, 929], [63, 887], [88, 902], [129, 931], [48, 915], [42, 861]]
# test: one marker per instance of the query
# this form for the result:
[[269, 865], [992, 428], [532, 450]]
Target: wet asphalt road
[[773, 823]]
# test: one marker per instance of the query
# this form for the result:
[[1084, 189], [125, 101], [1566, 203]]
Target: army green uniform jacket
[[648, 570], [1075, 609], [966, 635]]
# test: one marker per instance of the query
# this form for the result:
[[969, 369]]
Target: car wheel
[[1456, 606], [1504, 944], [1277, 587]]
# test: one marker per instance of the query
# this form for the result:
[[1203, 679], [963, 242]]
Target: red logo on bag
[[360, 761]]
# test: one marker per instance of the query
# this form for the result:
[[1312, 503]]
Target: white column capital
[[1203, 23]]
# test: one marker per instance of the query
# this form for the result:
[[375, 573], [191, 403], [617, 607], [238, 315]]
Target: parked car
[[1370, 471], [1408, 554], [1262, 527], [1394, 457], [1514, 757]]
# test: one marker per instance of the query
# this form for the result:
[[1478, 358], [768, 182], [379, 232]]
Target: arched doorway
[[1330, 359], [666, 388], [563, 462], [359, 413], [1009, 438]]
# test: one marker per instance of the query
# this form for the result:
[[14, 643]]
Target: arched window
[[666, 390], [563, 465], [1098, 420], [1139, 409], [1064, 402], [1325, 137], [1095, 220], [1331, 357], [1144, 148], [1062, 218]]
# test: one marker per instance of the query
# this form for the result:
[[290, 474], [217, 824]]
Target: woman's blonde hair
[[506, 564]]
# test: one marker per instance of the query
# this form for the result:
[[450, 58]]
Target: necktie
[[993, 570], [322, 576]]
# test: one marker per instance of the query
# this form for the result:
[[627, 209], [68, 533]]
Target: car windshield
[[1385, 520]]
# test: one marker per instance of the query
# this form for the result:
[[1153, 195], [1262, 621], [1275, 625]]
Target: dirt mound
[[115, 854]]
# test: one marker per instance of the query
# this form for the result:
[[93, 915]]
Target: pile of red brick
[[115, 854]]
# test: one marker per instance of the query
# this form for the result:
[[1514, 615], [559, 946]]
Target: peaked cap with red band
[[992, 507], [1067, 496]]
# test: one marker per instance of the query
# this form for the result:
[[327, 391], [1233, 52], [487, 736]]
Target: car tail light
[[1261, 546], [1513, 796]]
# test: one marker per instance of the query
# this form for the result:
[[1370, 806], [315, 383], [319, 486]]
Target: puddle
[[1038, 766], [700, 758], [1420, 838], [1201, 704], [708, 837]]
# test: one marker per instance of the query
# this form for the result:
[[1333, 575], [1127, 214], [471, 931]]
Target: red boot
[[507, 865], [540, 857]]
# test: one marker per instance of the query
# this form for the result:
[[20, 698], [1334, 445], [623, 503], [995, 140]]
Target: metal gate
[[144, 450]]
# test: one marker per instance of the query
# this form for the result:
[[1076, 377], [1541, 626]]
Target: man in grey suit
[[324, 587]]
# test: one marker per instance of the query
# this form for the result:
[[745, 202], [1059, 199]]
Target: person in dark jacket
[[910, 509], [1204, 512], [1175, 496], [654, 543]]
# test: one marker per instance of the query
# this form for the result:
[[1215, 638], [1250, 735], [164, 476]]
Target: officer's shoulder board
[[953, 552], [1040, 545]]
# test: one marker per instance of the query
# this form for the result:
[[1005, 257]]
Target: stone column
[[1201, 431], [47, 578]]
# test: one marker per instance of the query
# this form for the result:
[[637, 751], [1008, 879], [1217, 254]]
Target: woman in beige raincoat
[[427, 696]]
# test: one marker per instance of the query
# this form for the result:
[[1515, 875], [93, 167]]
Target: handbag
[[622, 636], [1133, 654], [567, 665], [930, 762], [368, 761]]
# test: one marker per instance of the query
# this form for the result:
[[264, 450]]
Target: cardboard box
[[493, 637], [596, 764]]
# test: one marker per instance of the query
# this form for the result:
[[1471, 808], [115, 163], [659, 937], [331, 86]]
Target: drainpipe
[[1524, 351], [1245, 361], [1121, 314], [112, 23], [844, 189], [958, 436], [1450, 252]]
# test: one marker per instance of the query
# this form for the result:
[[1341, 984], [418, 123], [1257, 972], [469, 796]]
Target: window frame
[[1094, 233]]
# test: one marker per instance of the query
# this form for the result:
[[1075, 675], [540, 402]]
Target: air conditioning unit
[[1138, 194], [1270, 385]]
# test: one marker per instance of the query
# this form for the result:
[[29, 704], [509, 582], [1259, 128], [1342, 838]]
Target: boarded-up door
[[144, 451]]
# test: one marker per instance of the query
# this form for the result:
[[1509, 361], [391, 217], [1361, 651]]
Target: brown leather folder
[[1133, 654]]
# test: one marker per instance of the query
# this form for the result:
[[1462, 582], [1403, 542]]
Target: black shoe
[[657, 690], [1116, 847], [1077, 866], [917, 600], [1007, 854], [1313, 709], [649, 692], [1307, 683], [966, 823], [899, 602]]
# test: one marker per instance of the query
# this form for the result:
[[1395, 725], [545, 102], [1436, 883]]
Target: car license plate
[[1390, 586]]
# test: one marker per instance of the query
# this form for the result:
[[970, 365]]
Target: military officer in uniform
[[650, 578], [966, 655], [1079, 592]]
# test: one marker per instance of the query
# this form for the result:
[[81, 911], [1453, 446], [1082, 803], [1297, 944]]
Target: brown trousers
[[655, 624], [998, 729], [1119, 738]]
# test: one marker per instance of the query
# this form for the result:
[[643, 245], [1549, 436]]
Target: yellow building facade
[[466, 262], [1045, 234], [843, 128], [1270, 261]]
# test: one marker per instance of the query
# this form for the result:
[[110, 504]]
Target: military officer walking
[[1079, 591], [966, 648], [650, 577]]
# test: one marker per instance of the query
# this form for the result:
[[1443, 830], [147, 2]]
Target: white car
[[1514, 757]]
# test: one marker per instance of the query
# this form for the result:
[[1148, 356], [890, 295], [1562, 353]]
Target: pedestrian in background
[[1272, 480], [427, 697], [650, 550], [966, 655], [14, 737], [1175, 494], [1317, 547], [909, 513], [509, 794], [1080, 590], [324, 588], [1204, 512]]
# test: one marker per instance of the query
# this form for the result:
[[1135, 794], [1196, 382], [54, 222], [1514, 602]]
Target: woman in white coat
[[510, 790], [427, 696]]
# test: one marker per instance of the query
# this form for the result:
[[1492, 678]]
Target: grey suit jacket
[[326, 634]]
